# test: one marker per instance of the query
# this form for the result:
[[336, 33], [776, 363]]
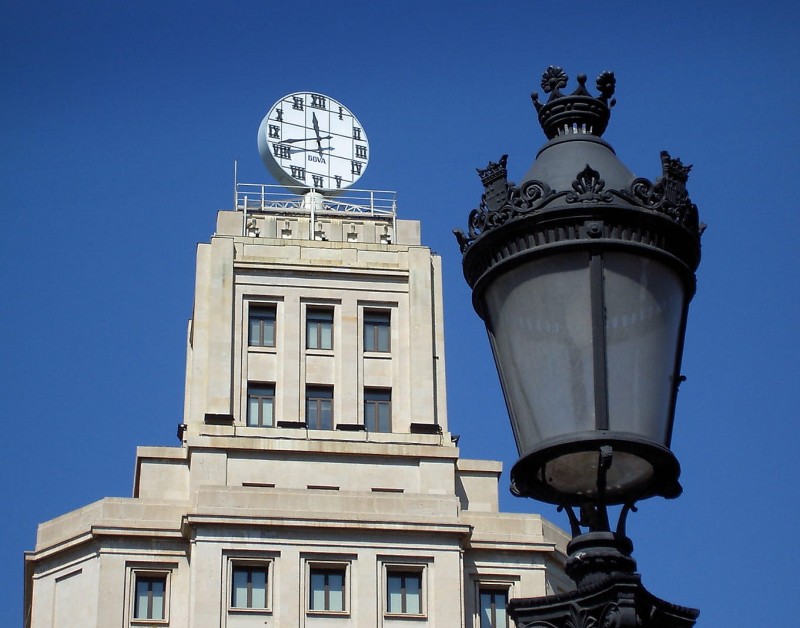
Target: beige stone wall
[[351, 277], [291, 530], [289, 499]]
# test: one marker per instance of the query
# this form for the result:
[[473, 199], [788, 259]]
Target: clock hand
[[314, 150], [316, 131], [307, 139]]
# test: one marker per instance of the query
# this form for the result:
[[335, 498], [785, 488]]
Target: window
[[378, 410], [404, 591], [319, 328], [327, 588], [319, 407], [262, 326], [150, 596], [249, 586], [492, 602], [260, 405], [377, 330]]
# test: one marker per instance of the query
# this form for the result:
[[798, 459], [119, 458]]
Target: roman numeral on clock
[[275, 131], [318, 101], [361, 151], [317, 180], [282, 151], [298, 173], [356, 167]]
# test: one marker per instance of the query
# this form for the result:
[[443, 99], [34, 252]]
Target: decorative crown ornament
[[579, 112], [496, 185], [493, 171]]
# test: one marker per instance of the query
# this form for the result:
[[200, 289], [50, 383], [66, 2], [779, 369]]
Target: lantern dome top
[[560, 163], [574, 124], [576, 113], [577, 174]]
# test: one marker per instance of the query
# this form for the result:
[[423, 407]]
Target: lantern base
[[594, 555], [619, 599], [609, 468], [609, 592]]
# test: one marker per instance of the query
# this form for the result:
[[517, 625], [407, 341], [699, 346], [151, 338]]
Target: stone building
[[317, 482]]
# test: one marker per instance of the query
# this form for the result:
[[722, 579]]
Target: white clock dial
[[313, 141]]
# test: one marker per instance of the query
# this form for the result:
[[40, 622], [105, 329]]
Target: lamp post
[[583, 275]]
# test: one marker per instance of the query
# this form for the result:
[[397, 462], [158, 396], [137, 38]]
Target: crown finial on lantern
[[495, 171], [576, 113]]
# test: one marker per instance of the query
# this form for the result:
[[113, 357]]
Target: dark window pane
[[149, 600], [249, 587], [326, 590], [319, 328], [260, 405], [404, 592], [493, 608], [262, 326], [319, 407], [377, 331], [378, 410]]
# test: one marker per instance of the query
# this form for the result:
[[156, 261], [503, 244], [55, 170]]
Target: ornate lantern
[[583, 274]]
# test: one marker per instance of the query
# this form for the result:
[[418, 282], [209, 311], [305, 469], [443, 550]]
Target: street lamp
[[583, 276]]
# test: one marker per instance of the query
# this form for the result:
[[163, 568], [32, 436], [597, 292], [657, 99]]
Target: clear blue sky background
[[120, 125]]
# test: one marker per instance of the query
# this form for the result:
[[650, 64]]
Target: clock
[[312, 141]]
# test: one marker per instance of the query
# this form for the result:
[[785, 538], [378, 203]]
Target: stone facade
[[317, 482]]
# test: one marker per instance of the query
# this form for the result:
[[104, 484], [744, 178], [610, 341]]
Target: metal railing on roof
[[275, 199]]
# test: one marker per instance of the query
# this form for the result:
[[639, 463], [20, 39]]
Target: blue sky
[[121, 122]]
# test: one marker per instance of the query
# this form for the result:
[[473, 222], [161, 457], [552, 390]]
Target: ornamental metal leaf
[[668, 195], [530, 195], [501, 201], [645, 193], [553, 79], [589, 188], [580, 618], [611, 617], [606, 84]]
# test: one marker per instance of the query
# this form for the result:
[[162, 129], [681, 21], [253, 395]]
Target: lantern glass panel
[[643, 306], [539, 322]]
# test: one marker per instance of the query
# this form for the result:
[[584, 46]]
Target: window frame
[[318, 394], [268, 392], [374, 400], [261, 312], [152, 575], [375, 320], [403, 569], [317, 316], [238, 564], [492, 587], [327, 568]]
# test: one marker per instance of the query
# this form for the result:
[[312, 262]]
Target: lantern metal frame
[[544, 217], [506, 232]]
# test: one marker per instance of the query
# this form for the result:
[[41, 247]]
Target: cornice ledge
[[436, 527]]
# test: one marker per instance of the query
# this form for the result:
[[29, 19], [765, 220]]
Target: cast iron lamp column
[[583, 276]]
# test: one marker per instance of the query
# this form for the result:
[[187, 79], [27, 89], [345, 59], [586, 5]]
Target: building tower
[[316, 482]]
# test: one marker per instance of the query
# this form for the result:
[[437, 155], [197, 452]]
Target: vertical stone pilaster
[[421, 335], [219, 391]]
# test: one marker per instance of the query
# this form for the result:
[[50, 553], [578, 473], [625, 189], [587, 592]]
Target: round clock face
[[312, 141]]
